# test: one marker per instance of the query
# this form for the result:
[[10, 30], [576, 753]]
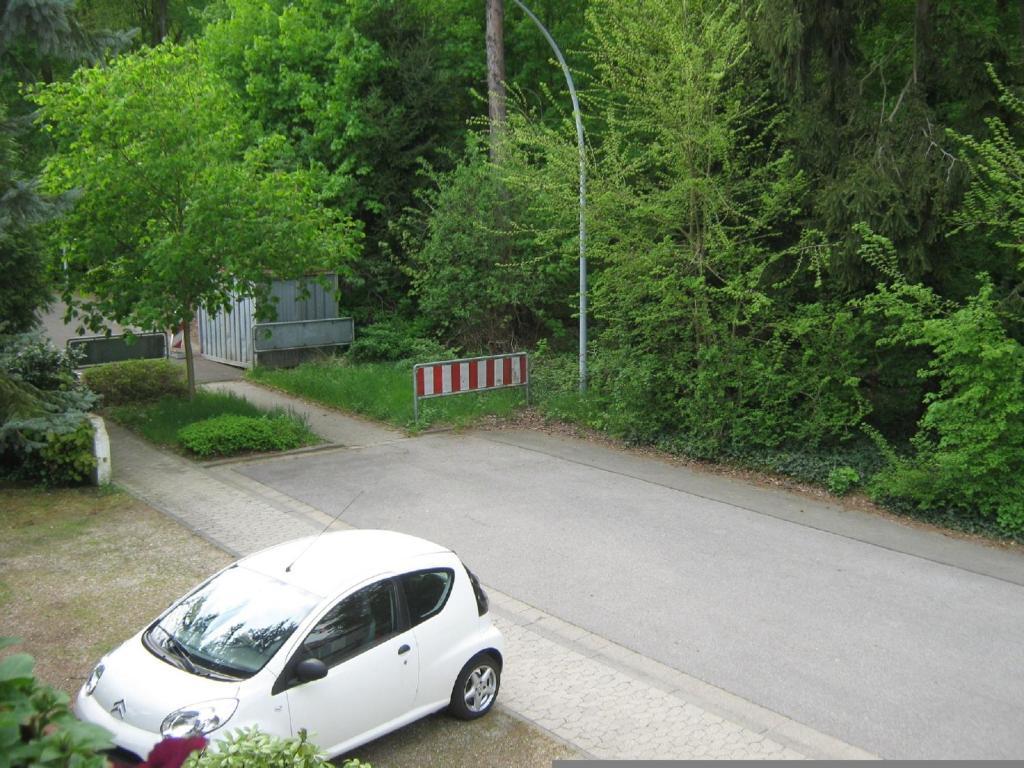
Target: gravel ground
[[69, 558]]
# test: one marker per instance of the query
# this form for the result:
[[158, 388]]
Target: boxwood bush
[[231, 434], [136, 381]]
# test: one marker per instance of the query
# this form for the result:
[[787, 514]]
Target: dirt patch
[[498, 740], [81, 570]]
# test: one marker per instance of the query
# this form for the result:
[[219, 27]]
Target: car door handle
[[404, 649]]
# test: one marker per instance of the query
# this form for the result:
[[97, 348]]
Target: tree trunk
[[1020, 23], [922, 43], [496, 70], [190, 366], [159, 21]]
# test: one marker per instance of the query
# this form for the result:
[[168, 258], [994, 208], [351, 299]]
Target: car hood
[[142, 689]]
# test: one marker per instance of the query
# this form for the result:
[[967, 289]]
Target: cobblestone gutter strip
[[601, 698], [611, 715], [613, 703]]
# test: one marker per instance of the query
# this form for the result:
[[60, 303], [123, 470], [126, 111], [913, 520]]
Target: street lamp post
[[583, 192]]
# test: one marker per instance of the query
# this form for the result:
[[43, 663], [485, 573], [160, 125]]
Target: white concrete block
[[101, 450]]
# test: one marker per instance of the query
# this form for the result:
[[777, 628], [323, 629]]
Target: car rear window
[[426, 592]]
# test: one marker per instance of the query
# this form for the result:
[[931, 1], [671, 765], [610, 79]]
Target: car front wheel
[[476, 687]]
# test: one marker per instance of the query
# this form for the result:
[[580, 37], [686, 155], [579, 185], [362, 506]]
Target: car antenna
[[315, 538]]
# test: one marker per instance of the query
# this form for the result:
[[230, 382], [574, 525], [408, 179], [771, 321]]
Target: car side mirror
[[309, 670]]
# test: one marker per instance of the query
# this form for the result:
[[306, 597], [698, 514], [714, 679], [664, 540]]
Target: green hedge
[[231, 434], [136, 381]]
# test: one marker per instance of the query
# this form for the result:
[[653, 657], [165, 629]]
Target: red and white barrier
[[453, 377]]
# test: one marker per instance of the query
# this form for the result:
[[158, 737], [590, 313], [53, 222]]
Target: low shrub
[[231, 434], [136, 381], [555, 389], [37, 727], [842, 479], [393, 340], [31, 358], [62, 458], [968, 452], [249, 748]]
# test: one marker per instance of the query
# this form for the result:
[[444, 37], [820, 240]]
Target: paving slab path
[[603, 699]]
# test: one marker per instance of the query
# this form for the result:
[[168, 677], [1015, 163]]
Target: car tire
[[476, 687]]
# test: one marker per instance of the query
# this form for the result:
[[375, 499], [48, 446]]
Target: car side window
[[426, 592], [356, 624]]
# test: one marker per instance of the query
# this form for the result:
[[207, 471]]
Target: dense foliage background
[[806, 215]]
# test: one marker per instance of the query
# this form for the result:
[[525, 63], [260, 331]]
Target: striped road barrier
[[473, 374]]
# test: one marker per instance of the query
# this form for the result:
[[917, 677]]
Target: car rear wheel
[[476, 687]]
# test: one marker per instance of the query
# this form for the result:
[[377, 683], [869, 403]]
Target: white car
[[348, 635]]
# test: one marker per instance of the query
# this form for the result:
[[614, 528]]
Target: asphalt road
[[905, 643]]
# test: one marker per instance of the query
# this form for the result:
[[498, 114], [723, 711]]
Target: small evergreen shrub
[[45, 436], [136, 381], [231, 434], [842, 479], [31, 358]]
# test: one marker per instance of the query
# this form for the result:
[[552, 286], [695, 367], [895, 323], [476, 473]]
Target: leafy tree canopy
[[182, 203]]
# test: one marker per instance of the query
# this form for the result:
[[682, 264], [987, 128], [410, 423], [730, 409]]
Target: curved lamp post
[[583, 192]]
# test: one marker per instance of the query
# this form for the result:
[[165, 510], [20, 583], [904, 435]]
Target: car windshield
[[233, 624]]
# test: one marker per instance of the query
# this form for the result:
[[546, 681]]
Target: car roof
[[329, 564]]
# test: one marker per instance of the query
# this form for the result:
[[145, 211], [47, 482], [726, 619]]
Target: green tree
[[486, 271], [994, 202], [702, 334], [364, 88], [182, 204], [37, 39]]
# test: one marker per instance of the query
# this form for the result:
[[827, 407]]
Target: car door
[[372, 664], [438, 632]]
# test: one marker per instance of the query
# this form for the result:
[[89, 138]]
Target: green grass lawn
[[383, 391], [160, 421]]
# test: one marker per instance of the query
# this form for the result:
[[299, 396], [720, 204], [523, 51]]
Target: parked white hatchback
[[348, 635]]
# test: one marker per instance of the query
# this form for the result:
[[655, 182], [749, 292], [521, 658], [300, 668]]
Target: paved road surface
[[817, 614]]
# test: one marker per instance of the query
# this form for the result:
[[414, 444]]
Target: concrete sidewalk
[[601, 698]]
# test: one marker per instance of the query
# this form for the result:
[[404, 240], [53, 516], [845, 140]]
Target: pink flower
[[171, 753]]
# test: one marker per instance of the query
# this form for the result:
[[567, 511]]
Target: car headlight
[[94, 679], [198, 720]]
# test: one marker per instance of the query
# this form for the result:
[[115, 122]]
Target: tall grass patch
[[383, 391]]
